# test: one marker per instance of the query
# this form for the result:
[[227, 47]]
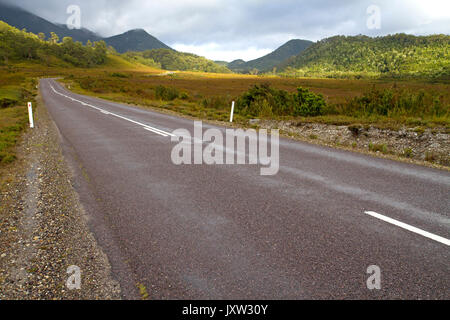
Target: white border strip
[[146, 127], [154, 131], [409, 228]]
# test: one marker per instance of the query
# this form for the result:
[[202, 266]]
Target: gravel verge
[[43, 226], [428, 147]]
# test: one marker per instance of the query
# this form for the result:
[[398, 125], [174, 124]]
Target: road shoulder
[[43, 226]]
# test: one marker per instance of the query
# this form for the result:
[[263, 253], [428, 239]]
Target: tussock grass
[[14, 92], [13, 121]]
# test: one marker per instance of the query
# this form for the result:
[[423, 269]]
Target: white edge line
[[146, 127], [154, 131], [161, 131], [409, 228]]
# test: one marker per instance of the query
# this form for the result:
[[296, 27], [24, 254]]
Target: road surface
[[226, 232]]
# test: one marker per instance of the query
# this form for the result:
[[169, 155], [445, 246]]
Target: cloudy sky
[[247, 29]]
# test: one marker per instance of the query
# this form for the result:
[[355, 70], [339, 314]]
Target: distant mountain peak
[[135, 40], [268, 62], [138, 30]]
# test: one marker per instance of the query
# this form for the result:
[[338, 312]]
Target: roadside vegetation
[[331, 101], [14, 95]]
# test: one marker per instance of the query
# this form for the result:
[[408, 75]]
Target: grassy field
[[209, 96]]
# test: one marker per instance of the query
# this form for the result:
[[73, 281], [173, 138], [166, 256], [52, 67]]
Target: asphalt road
[[226, 232]]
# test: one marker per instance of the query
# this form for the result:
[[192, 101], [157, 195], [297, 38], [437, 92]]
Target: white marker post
[[30, 115], [232, 112]]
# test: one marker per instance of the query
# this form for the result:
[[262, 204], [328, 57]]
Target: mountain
[[221, 63], [172, 60], [20, 46], [22, 19], [237, 65], [393, 55], [135, 40], [270, 61]]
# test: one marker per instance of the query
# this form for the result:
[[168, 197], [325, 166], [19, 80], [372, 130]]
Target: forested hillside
[[172, 60], [22, 19], [271, 60], [397, 55], [17, 45]]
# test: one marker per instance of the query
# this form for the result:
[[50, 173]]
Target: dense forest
[[19, 45], [394, 56], [168, 59]]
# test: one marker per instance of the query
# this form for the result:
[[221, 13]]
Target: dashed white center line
[[409, 228], [146, 127]]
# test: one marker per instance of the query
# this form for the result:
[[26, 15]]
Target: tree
[[6, 50], [54, 38], [41, 36]]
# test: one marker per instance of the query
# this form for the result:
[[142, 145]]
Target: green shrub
[[396, 103], [308, 104], [262, 100], [119, 75], [217, 102], [378, 148], [166, 93], [407, 152]]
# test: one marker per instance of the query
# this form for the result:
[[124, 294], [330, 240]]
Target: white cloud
[[215, 51]]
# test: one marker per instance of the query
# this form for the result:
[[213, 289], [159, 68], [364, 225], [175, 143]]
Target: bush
[[378, 148], [264, 101], [119, 75], [308, 104], [6, 103], [217, 102], [396, 102], [407, 153], [166, 93]]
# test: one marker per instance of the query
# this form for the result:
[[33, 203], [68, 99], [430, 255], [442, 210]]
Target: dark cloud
[[215, 27]]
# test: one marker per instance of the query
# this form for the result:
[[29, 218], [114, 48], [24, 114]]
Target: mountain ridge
[[22, 19], [135, 40], [266, 63], [393, 55], [132, 40]]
